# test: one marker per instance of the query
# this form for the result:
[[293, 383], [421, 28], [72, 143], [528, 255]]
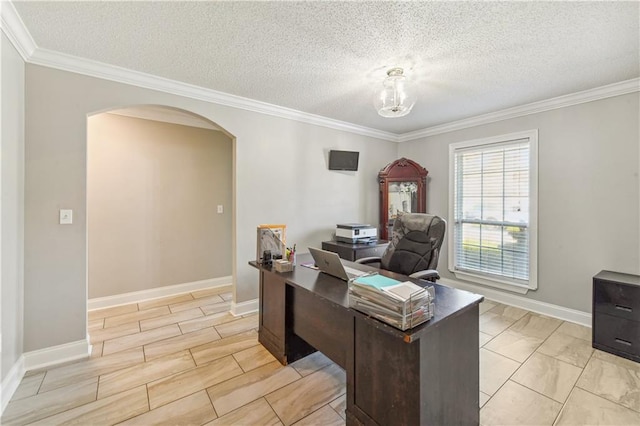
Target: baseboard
[[56, 354], [556, 311], [11, 382], [243, 308], [154, 293], [39, 359]]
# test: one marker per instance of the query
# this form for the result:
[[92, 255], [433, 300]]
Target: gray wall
[[152, 191], [12, 205], [280, 176], [588, 214], [588, 187]]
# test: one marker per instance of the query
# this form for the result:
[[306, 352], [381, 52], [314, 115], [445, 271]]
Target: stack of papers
[[401, 304]]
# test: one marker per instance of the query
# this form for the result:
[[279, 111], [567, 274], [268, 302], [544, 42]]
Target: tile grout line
[[177, 322], [299, 379], [555, 420], [192, 332], [146, 388], [271, 406], [68, 409], [233, 355], [606, 399], [236, 360], [192, 393], [99, 376], [595, 394], [522, 364], [41, 383], [191, 301], [212, 404], [345, 403], [138, 309], [519, 367], [154, 328], [167, 338]]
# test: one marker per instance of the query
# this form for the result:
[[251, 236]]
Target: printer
[[356, 233]]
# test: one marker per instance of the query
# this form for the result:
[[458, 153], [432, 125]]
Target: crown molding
[[608, 91], [101, 70], [19, 36], [15, 30], [91, 68]]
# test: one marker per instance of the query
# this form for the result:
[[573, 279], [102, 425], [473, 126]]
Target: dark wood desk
[[428, 375]]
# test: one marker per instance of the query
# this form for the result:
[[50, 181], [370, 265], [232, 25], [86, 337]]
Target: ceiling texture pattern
[[327, 58]]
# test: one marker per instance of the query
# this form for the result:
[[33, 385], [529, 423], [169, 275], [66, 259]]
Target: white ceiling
[[326, 58]]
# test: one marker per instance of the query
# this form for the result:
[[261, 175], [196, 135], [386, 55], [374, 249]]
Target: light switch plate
[[220, 208], [66, 217]]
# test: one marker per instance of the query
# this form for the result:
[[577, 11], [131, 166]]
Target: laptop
[[330, 263]]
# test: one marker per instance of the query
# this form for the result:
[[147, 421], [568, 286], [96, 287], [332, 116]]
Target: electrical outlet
[[66, 217]]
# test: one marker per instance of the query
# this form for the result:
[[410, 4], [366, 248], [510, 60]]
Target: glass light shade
[[396, 98]]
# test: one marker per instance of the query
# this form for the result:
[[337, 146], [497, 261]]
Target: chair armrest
[[428, 274], [366, 260]]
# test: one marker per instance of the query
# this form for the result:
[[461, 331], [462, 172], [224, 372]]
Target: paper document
[[404, 290], [401, 304]]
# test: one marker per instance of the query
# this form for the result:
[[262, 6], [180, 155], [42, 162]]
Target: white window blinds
[[492, 210]]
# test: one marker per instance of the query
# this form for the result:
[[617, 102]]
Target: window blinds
[[492, 209]]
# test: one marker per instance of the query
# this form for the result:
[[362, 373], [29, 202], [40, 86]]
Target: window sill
[[503, 285]]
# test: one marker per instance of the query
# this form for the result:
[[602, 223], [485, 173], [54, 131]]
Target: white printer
[[356, 233]]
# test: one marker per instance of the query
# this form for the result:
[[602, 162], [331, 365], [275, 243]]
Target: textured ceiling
[[326, 58]]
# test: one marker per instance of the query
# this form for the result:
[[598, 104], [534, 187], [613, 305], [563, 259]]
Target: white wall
[[12, 205], [280, 176], [152, 191], [588, 192]]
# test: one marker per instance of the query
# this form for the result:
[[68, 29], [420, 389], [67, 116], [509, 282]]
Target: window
[[493, 211]]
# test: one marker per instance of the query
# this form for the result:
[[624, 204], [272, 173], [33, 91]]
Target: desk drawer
[[619, 300], [373, 251], [354, 252], [617, 333], [344, 252]]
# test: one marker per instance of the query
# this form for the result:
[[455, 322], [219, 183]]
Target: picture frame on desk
[[271, 237]]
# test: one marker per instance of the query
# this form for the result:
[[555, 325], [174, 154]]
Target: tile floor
[[185, 360]]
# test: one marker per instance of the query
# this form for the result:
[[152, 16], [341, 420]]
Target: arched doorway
[[159, 211]]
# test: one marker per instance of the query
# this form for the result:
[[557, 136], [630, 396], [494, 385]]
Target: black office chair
[[414, 247]]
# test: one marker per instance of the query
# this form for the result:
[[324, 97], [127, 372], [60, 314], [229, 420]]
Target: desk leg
[[276, 319], [271, 333]]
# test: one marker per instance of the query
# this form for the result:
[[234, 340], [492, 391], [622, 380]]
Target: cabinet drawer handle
[[623, 342], [623, 308]]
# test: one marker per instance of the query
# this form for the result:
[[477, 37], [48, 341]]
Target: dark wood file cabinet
[[616, 314]]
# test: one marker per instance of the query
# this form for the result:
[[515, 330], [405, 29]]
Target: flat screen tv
[[343, 160]]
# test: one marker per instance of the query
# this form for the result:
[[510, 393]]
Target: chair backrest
[[415, 243]]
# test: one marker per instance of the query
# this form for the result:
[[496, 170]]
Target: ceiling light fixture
[[395, 99]]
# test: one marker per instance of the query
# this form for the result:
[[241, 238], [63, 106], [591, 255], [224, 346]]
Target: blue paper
[[377, 281]]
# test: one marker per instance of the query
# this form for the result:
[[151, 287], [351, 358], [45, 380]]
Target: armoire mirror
[[403, 186]]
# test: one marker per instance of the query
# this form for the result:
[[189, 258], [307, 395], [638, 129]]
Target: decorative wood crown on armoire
[[403, 188]]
